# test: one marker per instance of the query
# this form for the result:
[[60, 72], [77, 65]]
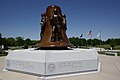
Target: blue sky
[[22, 17]]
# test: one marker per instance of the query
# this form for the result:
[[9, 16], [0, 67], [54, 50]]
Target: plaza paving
[[110, 70]]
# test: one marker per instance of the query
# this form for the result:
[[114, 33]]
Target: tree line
[[18, 41], [94, 42], [76, 41]]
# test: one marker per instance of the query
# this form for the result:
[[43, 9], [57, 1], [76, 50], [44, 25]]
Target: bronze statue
[[53, 29], [42, 23], [56, 23]]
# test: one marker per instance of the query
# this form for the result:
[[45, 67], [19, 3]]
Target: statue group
[[58, 23], [58, 26], [53, 28]]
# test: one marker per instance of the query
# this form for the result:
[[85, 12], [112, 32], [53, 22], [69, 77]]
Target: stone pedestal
[[52, 62]]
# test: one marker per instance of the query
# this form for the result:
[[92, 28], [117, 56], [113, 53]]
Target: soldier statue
[[56, 23]]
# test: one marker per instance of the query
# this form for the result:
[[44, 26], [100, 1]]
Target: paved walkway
[[110, 70]]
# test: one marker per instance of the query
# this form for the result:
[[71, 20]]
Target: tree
[[4, 42], [72, 40], [117, 40], [84, 42], [89, 42], [11, 41], [78, 41], [108, 41], [0, 35], [28, 41], [112, 43], [96, 42], [33, 42], [20, 41]]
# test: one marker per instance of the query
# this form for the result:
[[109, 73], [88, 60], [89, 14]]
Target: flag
[[98, 35], [89, 33], [81, 35]]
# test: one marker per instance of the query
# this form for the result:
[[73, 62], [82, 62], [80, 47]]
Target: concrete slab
[[110, 70]]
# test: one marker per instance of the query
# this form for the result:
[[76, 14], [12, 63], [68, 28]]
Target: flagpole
[[82, 42], [91, 39], [90, 34], [100, 41], [99, 37], [81, 38]]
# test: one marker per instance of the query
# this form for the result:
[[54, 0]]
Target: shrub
[[3, 53]]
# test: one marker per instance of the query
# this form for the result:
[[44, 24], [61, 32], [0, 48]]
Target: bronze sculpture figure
[[53, 29]]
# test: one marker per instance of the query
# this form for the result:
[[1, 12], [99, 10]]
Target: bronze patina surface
[[53, 29]]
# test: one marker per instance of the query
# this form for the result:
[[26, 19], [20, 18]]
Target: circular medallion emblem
[[51, 67]]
